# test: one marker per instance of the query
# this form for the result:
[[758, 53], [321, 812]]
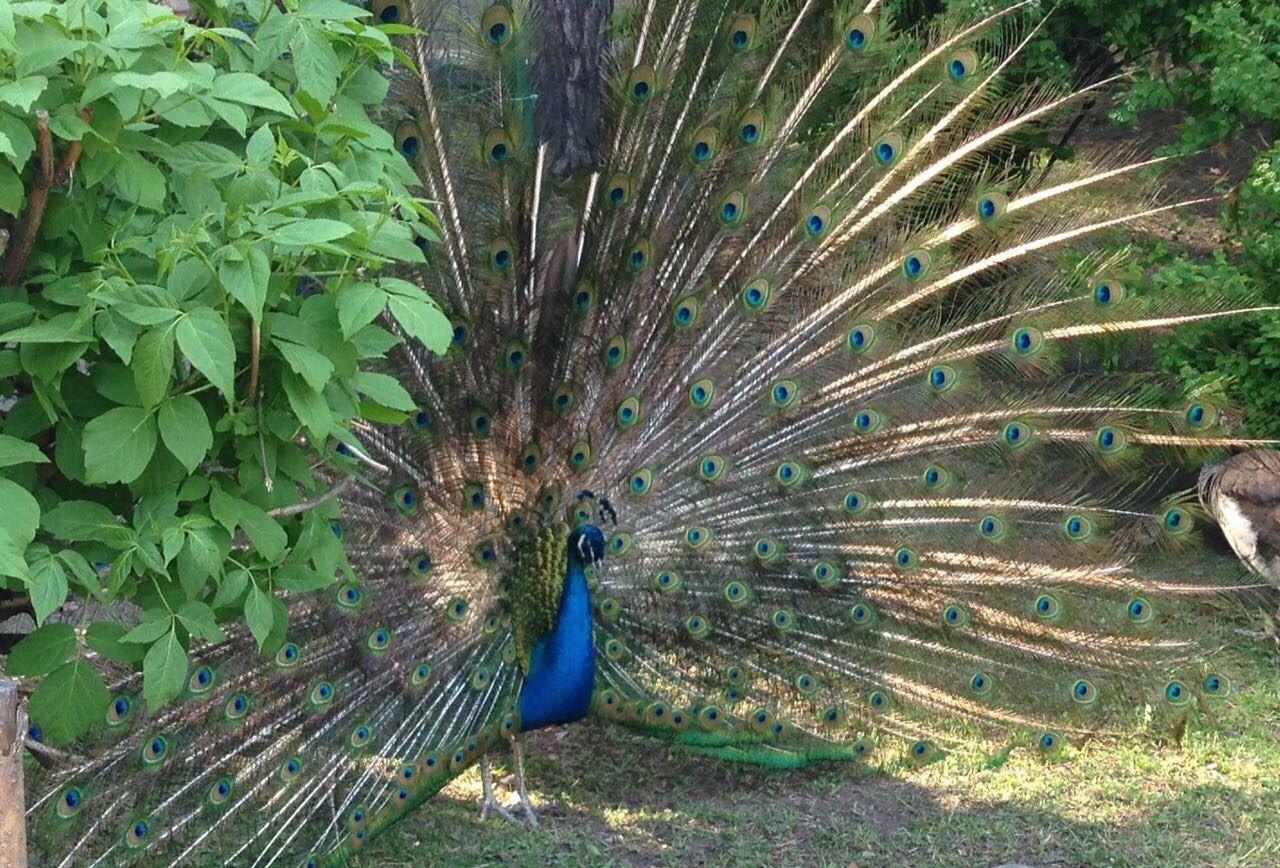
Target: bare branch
[[304, 505]]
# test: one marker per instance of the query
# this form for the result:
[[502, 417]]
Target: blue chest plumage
[[562, 670]]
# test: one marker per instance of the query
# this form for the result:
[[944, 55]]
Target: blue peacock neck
[[560, 679]]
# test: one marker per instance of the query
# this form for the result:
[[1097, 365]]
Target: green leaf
[[84, 574], [152, 365], [164, 670], [232, 586], [140, 181], [258, 614], [163, 83], [11, 190], [247, 88], [203, 158], [358, 305], [77, 520], [46, 583], [205, 340], [23, 93], [225, 508], [309, 405], [298, 579], [14, 451], [119, 333], [246, 277], [107, 638], [118, 445], [120, 571], [145, 314], [154, 624], [330, 10], [70, 700], [384, 389], [199, 559], [315, 63], [312, 366], [310, 232], [200, 621], [185, 430], [65, 328], [42, 651], [266, 534], [21, 518], [261, 146], [418, 314]]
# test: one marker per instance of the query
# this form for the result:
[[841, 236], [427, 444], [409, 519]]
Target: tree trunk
[[13, 731], [570, 41]]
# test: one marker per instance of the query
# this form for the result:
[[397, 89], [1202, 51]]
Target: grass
[[609, 797]]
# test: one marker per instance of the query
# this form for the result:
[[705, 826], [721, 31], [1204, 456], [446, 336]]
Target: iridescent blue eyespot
[[981, 684], [906, 558], [1049, 743], [1084, 692], [701, 393], [1140, 610], [861, 614], [1047, 607], [861, 337], [856, 502]]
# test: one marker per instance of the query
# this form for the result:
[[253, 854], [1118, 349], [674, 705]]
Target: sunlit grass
[[608, 797]]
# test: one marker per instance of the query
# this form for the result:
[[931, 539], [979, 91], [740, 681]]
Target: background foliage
[[196, 324], [1217, 64]]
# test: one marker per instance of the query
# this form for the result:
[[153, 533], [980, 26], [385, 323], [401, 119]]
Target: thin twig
[[1066, 137], [67, 164], [304, 505], [47, 756], [37, 199], [267, 482], [255, 352]]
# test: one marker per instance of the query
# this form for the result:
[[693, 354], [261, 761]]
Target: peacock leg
[[518, 756], [489, 802]]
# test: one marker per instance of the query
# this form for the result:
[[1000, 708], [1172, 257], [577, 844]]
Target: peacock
[[773, 425]]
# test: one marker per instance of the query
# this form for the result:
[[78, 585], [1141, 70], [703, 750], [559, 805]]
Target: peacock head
[[586, 544]]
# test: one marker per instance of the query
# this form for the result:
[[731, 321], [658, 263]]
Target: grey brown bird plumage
[[1242, 492]]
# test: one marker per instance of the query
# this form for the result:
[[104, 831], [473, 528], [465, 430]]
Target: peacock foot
[[490, 804], [489, 801]]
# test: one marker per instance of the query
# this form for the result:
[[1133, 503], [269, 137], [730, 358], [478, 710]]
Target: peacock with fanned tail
[[765, 432]]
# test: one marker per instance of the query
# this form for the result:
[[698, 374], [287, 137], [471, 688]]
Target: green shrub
[[195, 323]]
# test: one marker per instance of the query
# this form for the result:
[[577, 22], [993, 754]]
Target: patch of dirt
[[1211, 172]]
